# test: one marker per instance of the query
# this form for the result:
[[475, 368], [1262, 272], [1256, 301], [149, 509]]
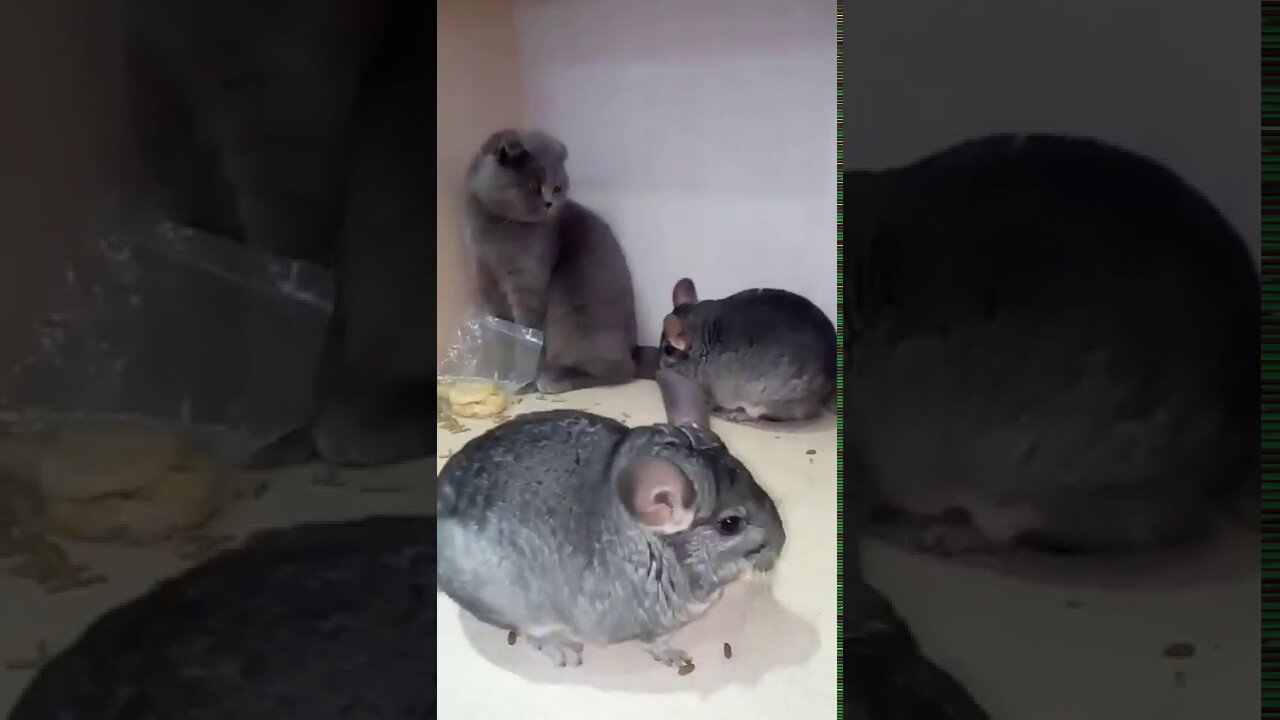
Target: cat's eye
[[557, 189], [730, 525]]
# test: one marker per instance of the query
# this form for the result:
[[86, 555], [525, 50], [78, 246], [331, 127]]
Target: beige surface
[[782, 633], [478, 91], [1052, 649]]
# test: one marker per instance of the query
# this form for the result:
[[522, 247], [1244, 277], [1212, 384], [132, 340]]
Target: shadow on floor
[[764, 637]]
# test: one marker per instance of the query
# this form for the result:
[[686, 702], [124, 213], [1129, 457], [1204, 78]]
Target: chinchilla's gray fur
[[537, 535], [886, 675], [326, 621], [1054, 344], [759, 354]]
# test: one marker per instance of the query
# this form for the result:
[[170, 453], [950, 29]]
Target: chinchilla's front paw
[[560, 650], [667, 655]]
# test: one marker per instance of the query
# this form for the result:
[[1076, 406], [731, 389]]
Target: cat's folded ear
[[508, 147], [657, 494], [684, 293]]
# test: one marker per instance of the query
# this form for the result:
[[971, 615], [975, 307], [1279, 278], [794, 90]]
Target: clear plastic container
[[488, 348], [170, 324]]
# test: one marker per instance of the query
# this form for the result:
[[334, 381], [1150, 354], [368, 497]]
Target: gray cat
[[546, 262], [759, 354], [1054, 345], [568, 527]]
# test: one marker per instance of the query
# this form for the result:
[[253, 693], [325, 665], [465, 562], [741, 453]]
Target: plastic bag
[[171, 324], [488, 348]]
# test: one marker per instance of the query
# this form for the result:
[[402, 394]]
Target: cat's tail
[[646, 359]]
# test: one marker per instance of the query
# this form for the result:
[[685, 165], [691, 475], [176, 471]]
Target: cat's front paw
[[361, 437], [550, 384]]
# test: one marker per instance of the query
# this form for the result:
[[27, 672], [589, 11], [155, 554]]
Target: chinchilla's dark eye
[[669, 350], [730, 525], [557, 189]]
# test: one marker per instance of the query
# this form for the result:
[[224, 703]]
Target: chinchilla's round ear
[[675, 332], [684, 293], [683, 399], [657, 494]]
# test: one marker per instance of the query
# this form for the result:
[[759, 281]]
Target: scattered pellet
[[686, 668], [810, 452], [1180, 678], [728, 651], [1180, 650], [511, 638]]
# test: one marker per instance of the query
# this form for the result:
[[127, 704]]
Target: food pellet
[[511, 638], [810, 452], [728, 651], [1180, 678], [1180, 650], [686, 669]]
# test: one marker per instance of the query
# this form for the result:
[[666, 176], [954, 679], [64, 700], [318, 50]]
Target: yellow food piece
[[477, 399], [130, 485]]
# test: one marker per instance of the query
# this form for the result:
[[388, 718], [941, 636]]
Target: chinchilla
[[570, 528], [325, 621], [1053, 346], [759, 354]]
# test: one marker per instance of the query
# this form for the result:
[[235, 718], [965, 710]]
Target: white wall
[[704, 131], [1175, 80]]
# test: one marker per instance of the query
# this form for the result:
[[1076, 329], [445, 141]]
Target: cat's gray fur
[[325, 621], [759, 354], [545, 262], [568, 527], [298, 127], [1054, 343]]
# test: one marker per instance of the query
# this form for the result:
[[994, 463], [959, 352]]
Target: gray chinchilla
[[1054, 345], [569, 528], [325, 621], [759, 354]]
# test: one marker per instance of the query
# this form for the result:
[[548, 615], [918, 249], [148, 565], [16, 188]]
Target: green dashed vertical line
[[839, 363], [1270, 367]]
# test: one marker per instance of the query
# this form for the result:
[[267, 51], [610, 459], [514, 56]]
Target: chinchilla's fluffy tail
[[646, 359]]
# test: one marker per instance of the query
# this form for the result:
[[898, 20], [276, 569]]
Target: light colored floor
[[1057, 646], [783, 636]]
